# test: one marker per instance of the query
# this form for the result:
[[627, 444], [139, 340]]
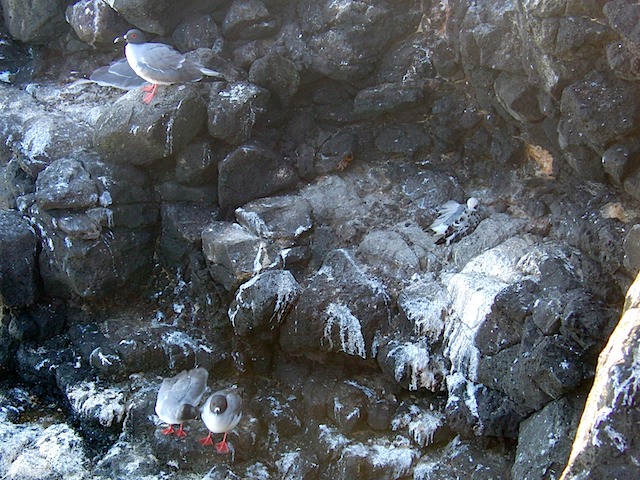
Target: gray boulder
[[237, 182], [95, 22], [249, 20], [606, 434], [233, 253], [65, 184], [387, 98], [18, 274], [197, 164], [132, 132], [233, 110], [463, 459], [198, 32], [181, 231], [148, 15], [338, 41], [262, 303], [414, 364], [545, 439], [49, 136], [282, 218], [342, 309], [40, 21], [613, 116], [96, 222], [278, 75]]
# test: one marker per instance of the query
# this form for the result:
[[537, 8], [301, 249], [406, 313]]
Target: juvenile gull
[[221, 413], [160, 64], [455, 221], [179, 397]]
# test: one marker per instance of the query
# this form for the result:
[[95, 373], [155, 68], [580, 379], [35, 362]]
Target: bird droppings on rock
[[105, 405]]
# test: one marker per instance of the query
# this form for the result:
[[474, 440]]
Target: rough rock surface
[[274, 228]]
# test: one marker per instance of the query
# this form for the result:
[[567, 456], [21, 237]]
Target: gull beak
[[120, 39]]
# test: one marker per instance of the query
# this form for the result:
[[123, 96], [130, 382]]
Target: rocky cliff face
[[274, 228]]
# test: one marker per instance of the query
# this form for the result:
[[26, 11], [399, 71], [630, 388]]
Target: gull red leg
[[151, 89], [222, 447], [168, 431], [180, 432], [206, 440]]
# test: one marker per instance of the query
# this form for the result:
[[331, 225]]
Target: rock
[[623, 16], [404, 139], [488, 234], [128, 458], [474, 409], [585, 320], [50, 136], [233, 110], [237, 183], [41, 21], [382, 459], [338, 40], [181, 233], [463, 458], [197, 164], [90, 268], [610, 118], [198, 32], [174, 192], [278, 75], [489, 39], [263, 302], [148, 15], [346, 407], [296, 465], [413, 364], [277, 410], [387, 98], [335, 151], [332, 201], [276, 218], [389, 252], [249, 20], [90, 402], [16, 67], [424, 305], [406, 60], [95, 22], [103, 214], [421, 423], [580, 37], [36, 452], [544, 442], [618, 160], [65, 184], [631, 247], [341, 310], [604, 437], [130, 132], [18, 273], [632, 185], [233, 253], [518, 97]]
